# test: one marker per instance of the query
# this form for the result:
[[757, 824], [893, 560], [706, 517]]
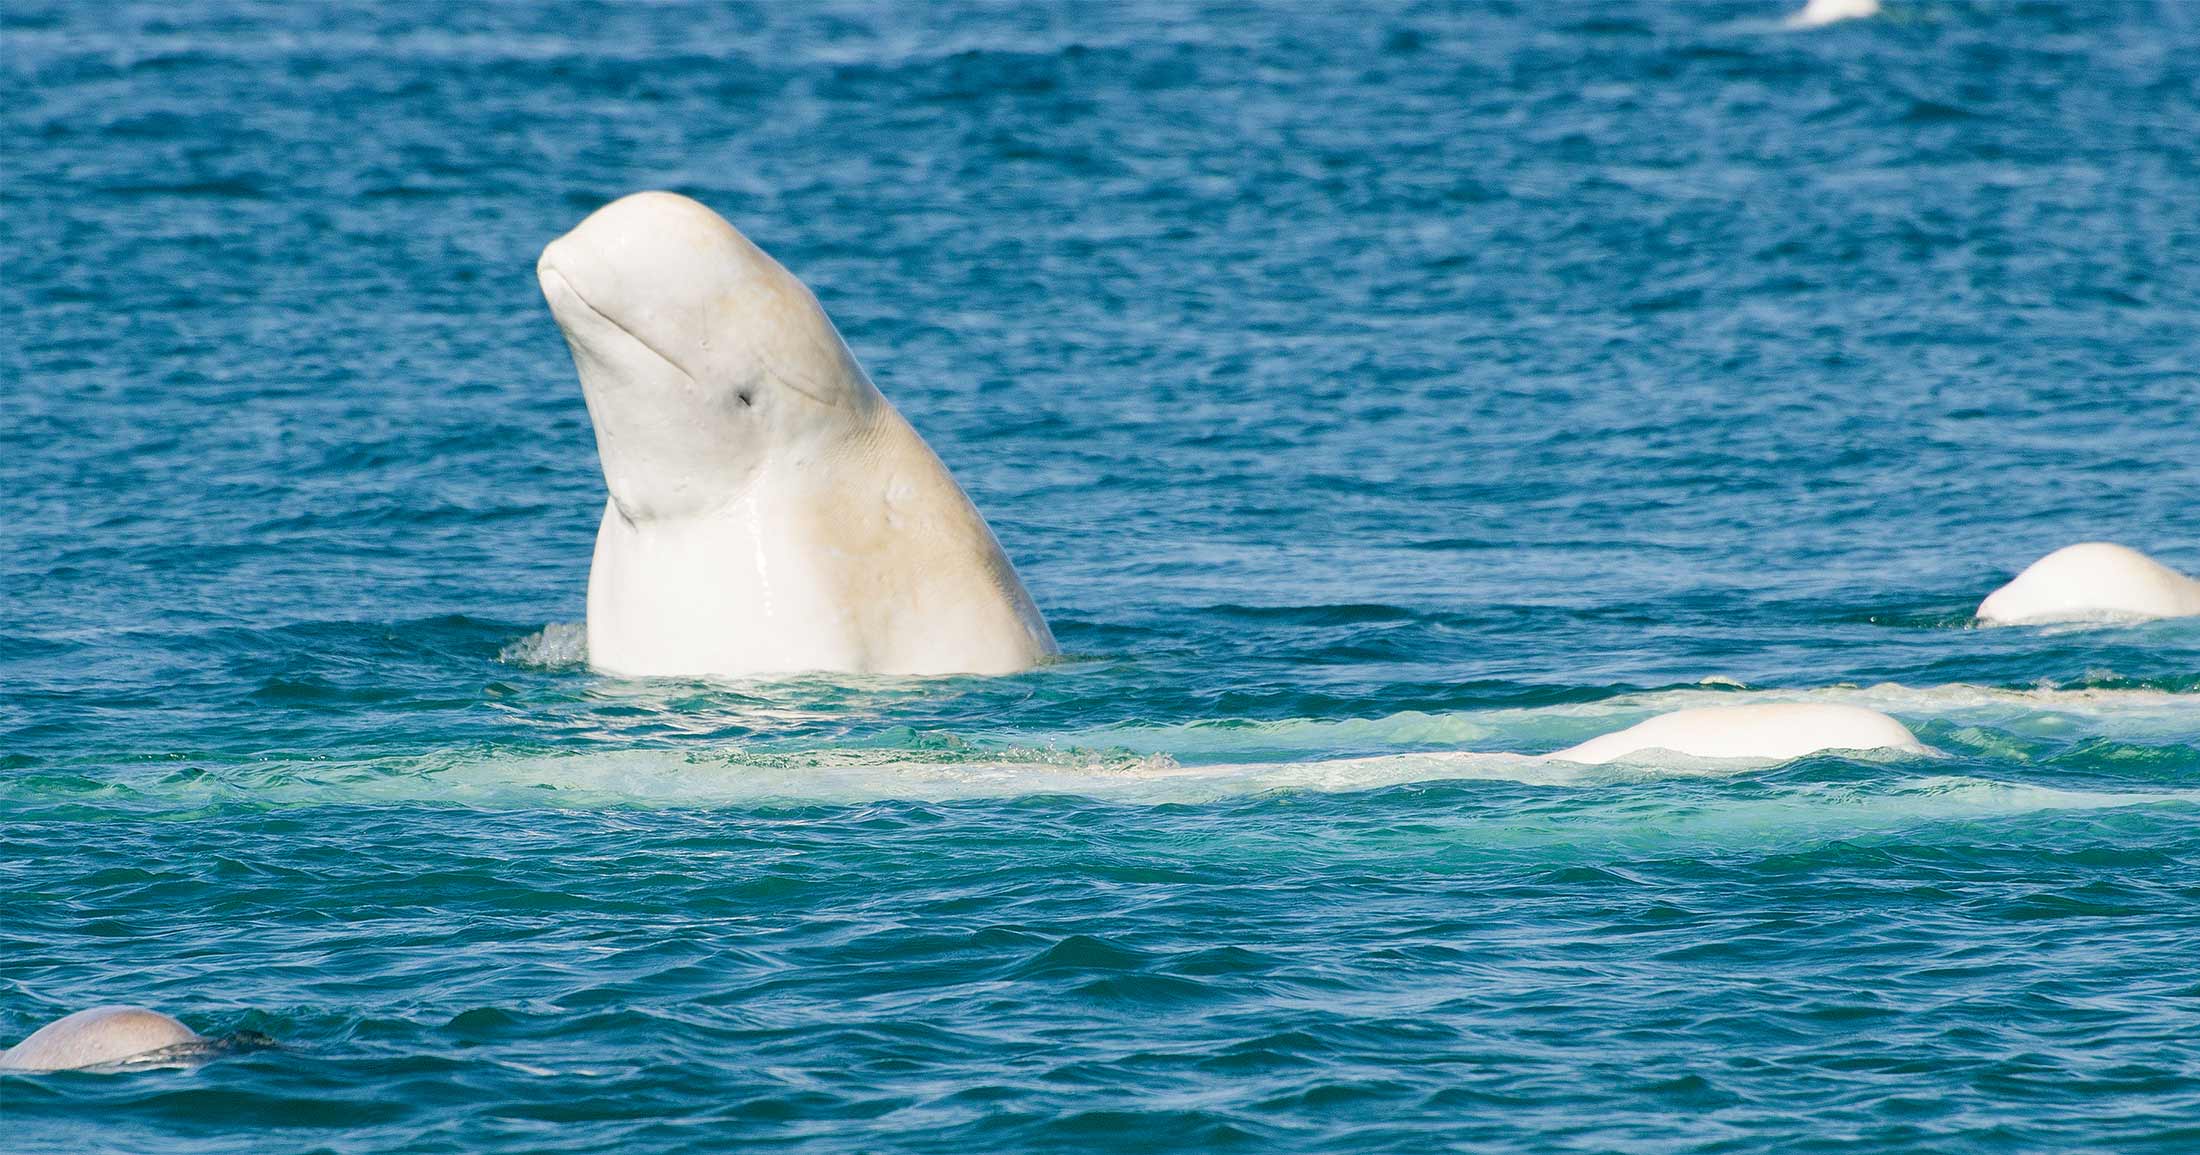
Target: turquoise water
[[1371, 402]]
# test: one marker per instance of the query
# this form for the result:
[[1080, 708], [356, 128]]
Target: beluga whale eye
[[749, 461]]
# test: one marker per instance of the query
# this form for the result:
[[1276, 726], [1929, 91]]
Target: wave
[[1948, 711], [1418, 807], [2140, 738], [651, 778]]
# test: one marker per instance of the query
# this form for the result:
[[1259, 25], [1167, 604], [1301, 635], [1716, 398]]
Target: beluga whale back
[[1819, 13], [770, 511], [97, 1037], [1768, 731], [2093, 579]]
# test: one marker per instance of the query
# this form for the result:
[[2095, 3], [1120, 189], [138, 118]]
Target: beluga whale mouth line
[[567, 283], [770, 512]]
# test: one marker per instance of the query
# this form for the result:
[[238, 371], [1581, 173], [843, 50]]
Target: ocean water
[[1372, 401]]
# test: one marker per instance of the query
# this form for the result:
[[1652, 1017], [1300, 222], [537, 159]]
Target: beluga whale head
[[770, 512], [699, 356]]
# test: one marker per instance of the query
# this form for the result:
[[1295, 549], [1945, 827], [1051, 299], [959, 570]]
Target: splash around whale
[[770, 511], [1775, 731], [2094, 579]]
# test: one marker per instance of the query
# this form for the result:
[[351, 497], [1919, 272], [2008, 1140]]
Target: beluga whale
[[2092, 580], [1773, 731], [99, 1037], [770, 511], [1819, 13]]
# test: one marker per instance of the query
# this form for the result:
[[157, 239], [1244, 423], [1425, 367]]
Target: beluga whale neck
[[770, 512], [2093, 579]]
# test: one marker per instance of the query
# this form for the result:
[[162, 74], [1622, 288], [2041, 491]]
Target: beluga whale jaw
[[770, 512], [1772, 731], [2092, 580], [97, 1037]]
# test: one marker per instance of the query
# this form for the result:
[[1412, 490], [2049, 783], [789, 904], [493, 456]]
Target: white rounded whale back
[[770, 511], [1775, 730], [2092, 579], [94, 1037], [1819, 13]]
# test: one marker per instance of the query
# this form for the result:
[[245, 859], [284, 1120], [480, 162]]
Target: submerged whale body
[[1819, 13], [1777, 731], [95, 1038], [770, 512], [2092, 579]]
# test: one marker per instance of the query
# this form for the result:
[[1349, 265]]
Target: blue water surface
[[1371, 399]]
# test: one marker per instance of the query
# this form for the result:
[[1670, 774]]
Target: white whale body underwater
[[1819, 13], [2092, 580], [770, 511], [1776, 731], [121, 1038], [98, 1037]]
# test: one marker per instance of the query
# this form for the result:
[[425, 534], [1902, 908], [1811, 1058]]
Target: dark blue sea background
[[1371, 399]]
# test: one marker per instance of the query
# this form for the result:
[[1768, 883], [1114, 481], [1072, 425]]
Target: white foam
[[656, 777], [2127, 714], [1804, 813], [690, 763], [674, 778], [557, 646]]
